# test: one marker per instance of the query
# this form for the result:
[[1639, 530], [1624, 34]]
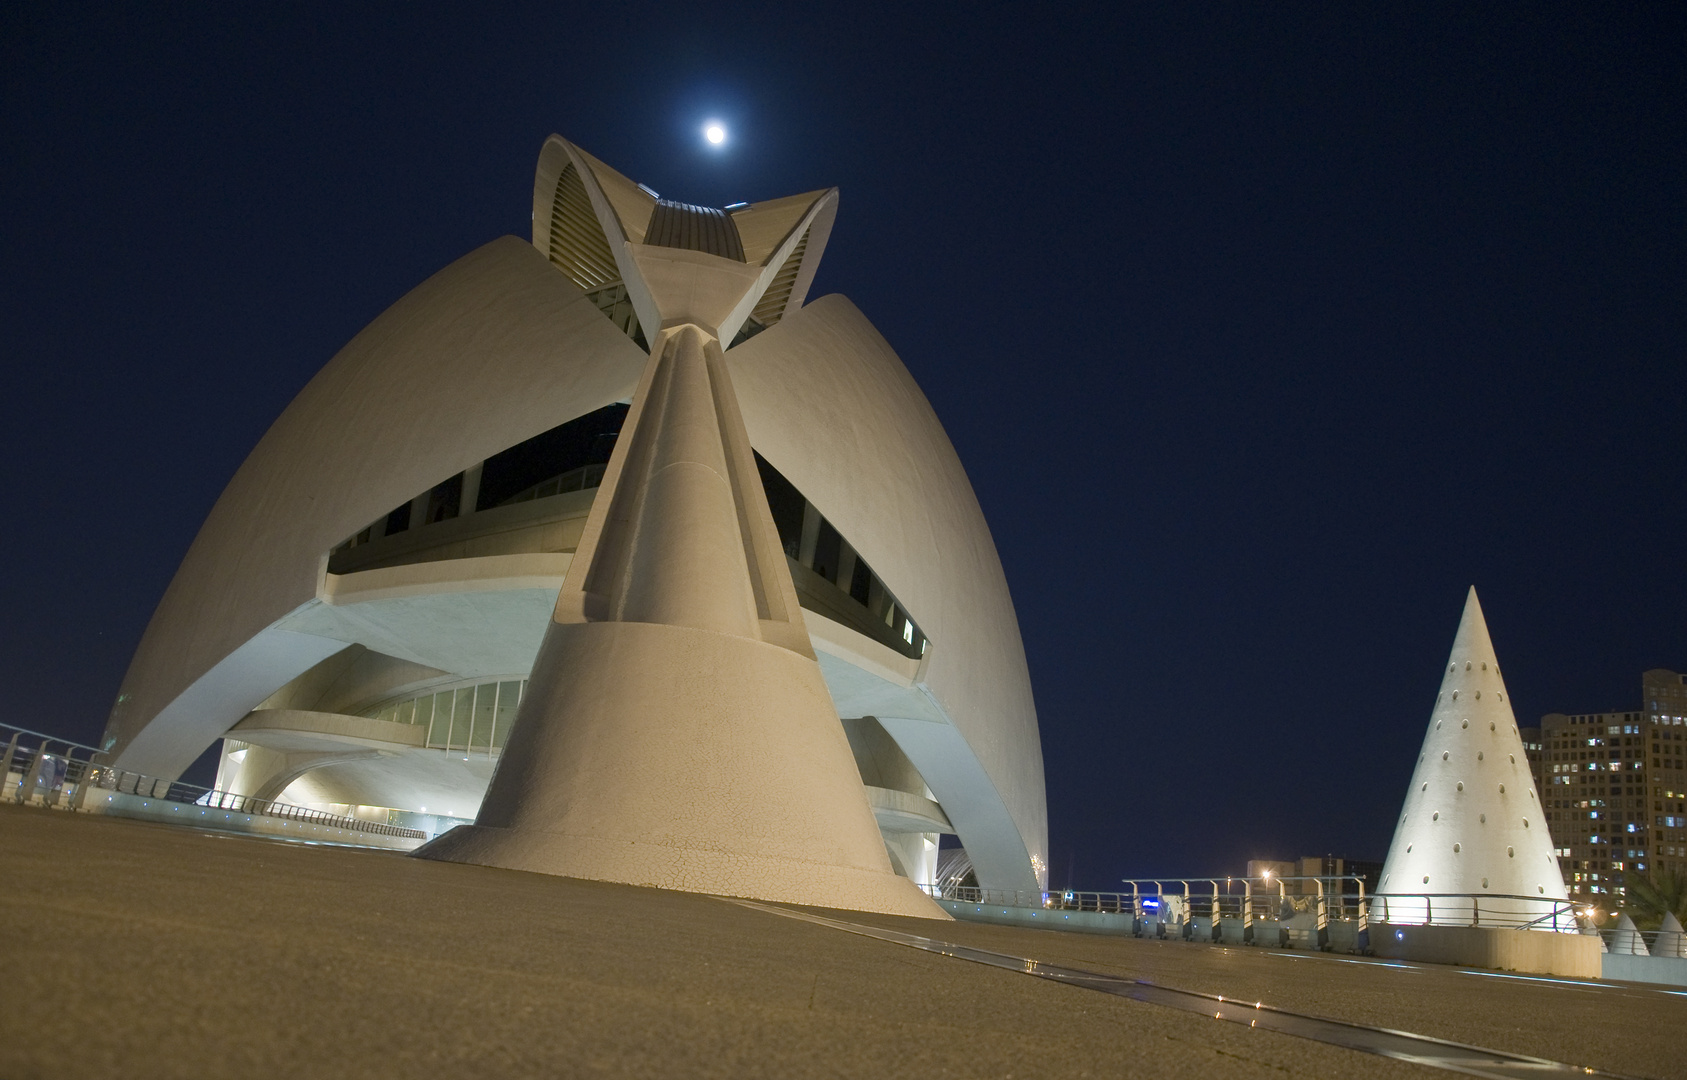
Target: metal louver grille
[[578, 245], [695, 228], [771, 307]]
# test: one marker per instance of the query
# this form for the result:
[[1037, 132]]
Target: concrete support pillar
[[32, 778], [87, 785], [676, 730], [810, 535], [60, 776], [471, 489], [6, 761], [846, 564]]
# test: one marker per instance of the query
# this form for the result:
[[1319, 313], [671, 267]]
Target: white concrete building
[[359, 615], [1471, 843]]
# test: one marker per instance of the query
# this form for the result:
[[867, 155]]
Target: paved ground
[[139, 950]]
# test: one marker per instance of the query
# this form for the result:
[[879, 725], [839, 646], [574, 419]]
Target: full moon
[[715, 133]]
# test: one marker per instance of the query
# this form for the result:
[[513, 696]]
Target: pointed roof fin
[[764, 226], [631, 203], [1671, 941]]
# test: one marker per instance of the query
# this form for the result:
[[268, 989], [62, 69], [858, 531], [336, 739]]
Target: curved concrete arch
[[815, 226], [623, 208], [891, 482], [495, 348]]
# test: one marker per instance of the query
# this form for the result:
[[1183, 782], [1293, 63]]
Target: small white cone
[[1627, 940], [1671, 941]]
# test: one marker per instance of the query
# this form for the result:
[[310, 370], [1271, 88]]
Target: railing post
[[81, 782], [6, 762], [90, 775], [26, 789], [60, 778]]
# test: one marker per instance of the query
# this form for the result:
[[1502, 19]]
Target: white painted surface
[[1472, 820], [499, 347], [494, 349], [831, 406], [676, 730], [234, 684]]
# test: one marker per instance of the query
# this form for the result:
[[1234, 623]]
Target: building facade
[[1615, 785], [360, 614]]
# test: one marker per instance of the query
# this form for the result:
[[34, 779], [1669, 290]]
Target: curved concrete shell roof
[[501, 346], [495, 348], [829, 403]]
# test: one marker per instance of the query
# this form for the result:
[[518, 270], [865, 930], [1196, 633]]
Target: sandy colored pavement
[[139, 950]]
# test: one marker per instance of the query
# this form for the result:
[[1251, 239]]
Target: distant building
[[1615, 788], [1316, 866]]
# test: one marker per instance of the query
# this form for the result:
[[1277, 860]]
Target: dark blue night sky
[[1262, 332]]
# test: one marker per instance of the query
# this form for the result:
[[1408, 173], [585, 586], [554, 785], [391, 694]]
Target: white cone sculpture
[[1471, 843], [1626, 941], [1670, 940], [676, 730]]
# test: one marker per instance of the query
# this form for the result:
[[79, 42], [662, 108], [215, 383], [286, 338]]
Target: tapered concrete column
[[419, 509], [676, 730], [471, 489], [685, 564]]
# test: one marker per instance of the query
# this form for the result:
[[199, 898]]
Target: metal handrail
[[33, 762], [71, 744], [1142, 903], [968, 894], [1670, 943], [120, 780], [1264, 898], [1215, 899], [40, 775], [1482, 909]]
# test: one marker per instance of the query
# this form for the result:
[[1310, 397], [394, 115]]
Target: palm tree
[[1660, 891]]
